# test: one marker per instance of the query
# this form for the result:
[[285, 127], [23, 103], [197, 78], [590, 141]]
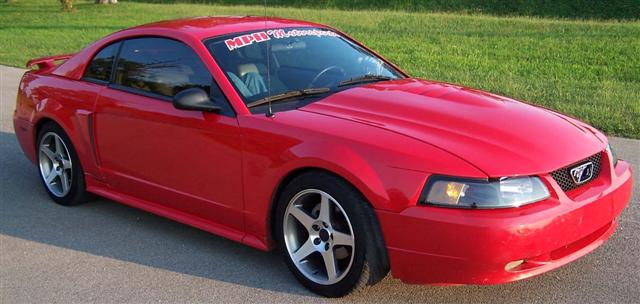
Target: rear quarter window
[[102, 64]]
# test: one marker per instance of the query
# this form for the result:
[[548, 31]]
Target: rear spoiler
[[47, 62]]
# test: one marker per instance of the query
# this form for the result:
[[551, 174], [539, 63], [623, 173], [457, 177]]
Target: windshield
[[301, 58]]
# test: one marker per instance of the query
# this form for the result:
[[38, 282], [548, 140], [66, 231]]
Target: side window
[[160, 66], [102, 63]]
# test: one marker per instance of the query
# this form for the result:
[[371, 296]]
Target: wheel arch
[[37, 126], [40, 122], [285, 180], [377, 250], [76, 143]]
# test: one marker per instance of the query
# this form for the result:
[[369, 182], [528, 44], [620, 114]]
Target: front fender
[[387, 168]]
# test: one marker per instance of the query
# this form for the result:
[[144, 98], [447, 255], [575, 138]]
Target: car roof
[[205, 27], [196, 28]]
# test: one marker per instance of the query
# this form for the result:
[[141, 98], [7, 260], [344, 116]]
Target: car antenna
[[269, 110]]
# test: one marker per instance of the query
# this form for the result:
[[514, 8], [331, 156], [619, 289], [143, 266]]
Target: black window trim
[[227, 109], [94, 81], [112, 79], [144, 93]]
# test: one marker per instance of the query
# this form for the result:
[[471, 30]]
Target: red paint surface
[[221, 173]]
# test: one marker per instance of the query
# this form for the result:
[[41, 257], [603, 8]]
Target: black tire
[[370, 262], [77, 193]]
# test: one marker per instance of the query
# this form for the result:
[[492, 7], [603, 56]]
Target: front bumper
[[432, 245]]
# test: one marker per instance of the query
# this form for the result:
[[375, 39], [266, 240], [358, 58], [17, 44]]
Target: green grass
[[588, 69], [575, 9]]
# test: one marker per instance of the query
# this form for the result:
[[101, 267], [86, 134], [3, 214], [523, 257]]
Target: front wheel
[[329, 236]]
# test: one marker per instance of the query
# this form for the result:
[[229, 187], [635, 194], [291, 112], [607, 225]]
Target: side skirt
[[99, 188]]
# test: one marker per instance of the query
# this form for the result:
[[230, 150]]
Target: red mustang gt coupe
[[287, 134]]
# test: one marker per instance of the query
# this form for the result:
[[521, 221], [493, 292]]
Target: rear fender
[[66, 102]]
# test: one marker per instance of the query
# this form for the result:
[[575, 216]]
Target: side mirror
[[194, 99]]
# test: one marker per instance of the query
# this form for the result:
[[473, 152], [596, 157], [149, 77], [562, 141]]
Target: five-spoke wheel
[[59, 166], [55, 164], [319, 236], [329, 235]]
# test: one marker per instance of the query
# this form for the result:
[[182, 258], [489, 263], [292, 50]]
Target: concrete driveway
[[105, 252]]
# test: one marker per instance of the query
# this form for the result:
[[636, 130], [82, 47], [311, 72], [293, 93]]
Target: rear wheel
[[329, 236], [59, 167]]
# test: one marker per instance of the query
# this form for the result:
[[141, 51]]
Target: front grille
[[563, 177]]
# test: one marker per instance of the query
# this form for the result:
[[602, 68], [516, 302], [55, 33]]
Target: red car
[[287, 134]]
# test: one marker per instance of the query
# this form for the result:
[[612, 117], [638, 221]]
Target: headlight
[[612, 155], [474, 193]]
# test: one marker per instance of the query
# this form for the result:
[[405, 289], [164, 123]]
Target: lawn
[[589, 69], [577, 9]]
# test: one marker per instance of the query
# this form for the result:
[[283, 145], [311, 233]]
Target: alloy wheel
[[319, 237], [55, 164]]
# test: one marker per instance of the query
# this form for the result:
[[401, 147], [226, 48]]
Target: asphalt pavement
[[105, 252]]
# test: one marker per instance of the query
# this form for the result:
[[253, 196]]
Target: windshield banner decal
[[248, 39]]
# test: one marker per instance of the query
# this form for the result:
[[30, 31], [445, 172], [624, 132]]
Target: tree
[[106, 1], [67, 5]]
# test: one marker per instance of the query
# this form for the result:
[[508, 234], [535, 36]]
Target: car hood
[[498, 135]]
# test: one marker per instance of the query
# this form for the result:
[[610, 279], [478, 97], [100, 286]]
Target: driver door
[[186, 163]]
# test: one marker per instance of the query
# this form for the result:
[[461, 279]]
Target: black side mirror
[[194, 99]]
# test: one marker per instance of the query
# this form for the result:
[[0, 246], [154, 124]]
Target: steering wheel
[[325, 71]]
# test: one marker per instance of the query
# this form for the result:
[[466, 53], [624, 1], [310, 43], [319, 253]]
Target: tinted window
[[299, 58], [102, 64], [160, 66]]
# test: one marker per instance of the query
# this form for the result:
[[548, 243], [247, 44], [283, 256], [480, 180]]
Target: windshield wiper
[[287, 95], [364, 78]]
